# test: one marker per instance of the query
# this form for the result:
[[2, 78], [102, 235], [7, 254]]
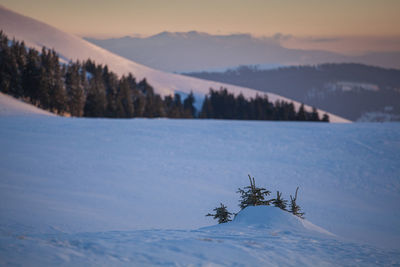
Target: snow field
[[79, 175]]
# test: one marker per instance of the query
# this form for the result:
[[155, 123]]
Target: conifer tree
[[325, 118], [58, 98], [44, 86], [18, 61], [169, 105], [5, 57], [125, 107], [145, 87], [75, 90], [83, 78], [189, 109], [7, 70], [253, 195], [175, 109], [294, 208], [10, 78], [113, 87], [301, 114], [132, 82], [139, 103], [31, 76], [279, 201], [291, 112], [241, 109], [207, 109], [314, 115], [96, 102], [221, 213], [158, 107]]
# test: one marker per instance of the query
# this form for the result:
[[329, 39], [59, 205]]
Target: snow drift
[[273, 218], [37, 34]]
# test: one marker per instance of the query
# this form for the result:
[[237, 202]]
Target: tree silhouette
[[279, 201], [221, 213], [252, 195], [294, 208]]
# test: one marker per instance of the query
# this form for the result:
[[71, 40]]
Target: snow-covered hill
[[9, 106], [37, 34]]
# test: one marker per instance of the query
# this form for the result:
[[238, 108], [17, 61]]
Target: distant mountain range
[[353, 91], [196, 51]]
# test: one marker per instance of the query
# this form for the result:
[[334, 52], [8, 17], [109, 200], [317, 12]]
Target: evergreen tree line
[[92, 90], [224, 105]]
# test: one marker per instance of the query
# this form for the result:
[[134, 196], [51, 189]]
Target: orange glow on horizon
[[357, 19]]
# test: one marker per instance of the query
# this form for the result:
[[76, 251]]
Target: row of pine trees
[[87, 89], [224, 105]]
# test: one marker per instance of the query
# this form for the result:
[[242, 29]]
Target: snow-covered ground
[[259, 236], [94, 191], [70, 47]]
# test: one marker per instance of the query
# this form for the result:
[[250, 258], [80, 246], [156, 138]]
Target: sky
[[353, 22]]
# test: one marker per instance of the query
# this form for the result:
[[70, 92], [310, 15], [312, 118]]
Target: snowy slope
[[9, 106], [37, 34], [80, 175]]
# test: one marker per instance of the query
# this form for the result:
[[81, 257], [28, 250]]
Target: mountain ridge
[[200, 51]]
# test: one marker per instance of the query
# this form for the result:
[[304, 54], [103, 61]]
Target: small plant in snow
[[279, 201], [294, 208], [253, 196], [221, 213]]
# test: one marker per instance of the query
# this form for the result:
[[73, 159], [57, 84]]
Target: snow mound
[[70, 47], [274, 219], [267, 216], [10, 106]]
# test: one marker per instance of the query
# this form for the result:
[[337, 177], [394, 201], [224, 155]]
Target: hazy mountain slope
[[37, 34], [193, 51], [196, 51], [9, 106]]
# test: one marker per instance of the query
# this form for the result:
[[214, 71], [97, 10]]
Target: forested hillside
[[92, 90], [349, 90]]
